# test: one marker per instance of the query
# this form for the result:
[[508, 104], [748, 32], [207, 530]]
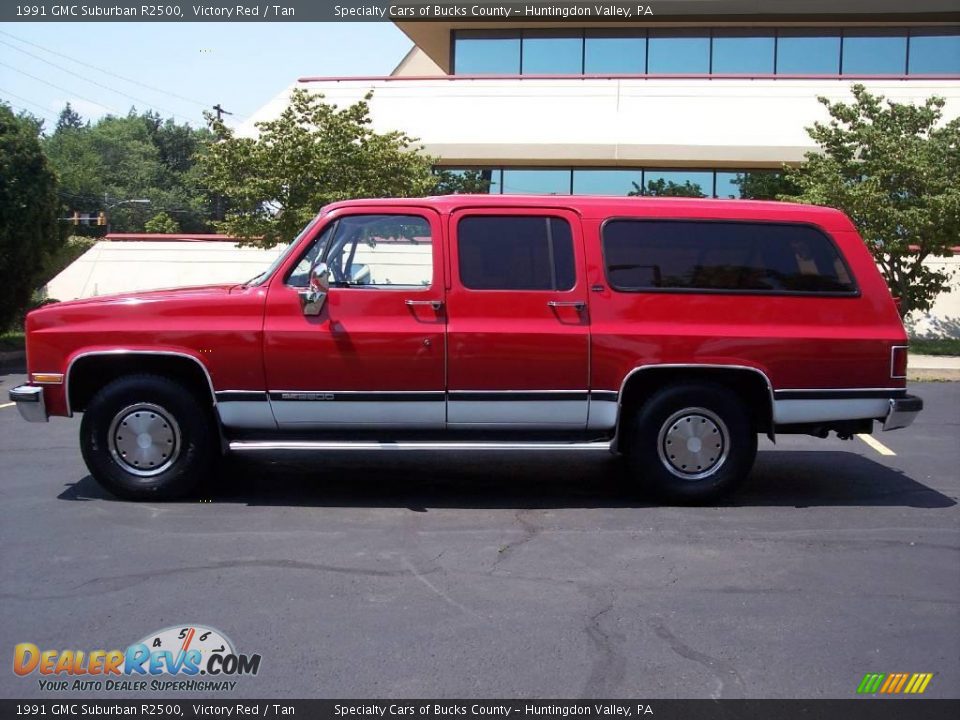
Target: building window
[[536, 182], [515, 252], [607, 182], [743, 183], [874, 52], [934, 52], [552, 55], [721, 51], [674, 52], [677, 183], [808, 52], [742, 52], [614, 54], [650, 255], [487, 54]]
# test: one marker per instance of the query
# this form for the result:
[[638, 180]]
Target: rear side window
[[515, 253], [722, 256]]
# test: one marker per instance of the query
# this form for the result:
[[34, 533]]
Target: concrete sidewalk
[[933, 367]]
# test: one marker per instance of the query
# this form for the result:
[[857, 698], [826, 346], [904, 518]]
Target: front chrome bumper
[[903, 411], [29, 400]]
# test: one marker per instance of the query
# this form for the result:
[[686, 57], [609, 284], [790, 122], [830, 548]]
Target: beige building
[[695, 102]]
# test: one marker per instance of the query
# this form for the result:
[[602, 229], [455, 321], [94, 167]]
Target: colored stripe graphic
[[870, 683], [894, 683]]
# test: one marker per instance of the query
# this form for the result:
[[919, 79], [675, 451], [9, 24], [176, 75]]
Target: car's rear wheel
[[691, 443], [146, 437]]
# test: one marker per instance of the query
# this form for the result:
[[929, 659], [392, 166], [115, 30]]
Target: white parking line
[[876, 444], [7, 405]]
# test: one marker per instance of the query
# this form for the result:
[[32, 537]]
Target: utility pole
[[218, 198]]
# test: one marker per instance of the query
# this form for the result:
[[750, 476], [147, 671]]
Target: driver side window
[[371, 251], [381, 251]]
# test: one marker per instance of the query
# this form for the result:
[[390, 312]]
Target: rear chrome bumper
[[903, 411], [29, 400]]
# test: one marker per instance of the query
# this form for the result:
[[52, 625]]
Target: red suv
[[672, 331]]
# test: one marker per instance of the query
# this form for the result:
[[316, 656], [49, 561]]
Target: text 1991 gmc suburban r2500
[[672, 331]]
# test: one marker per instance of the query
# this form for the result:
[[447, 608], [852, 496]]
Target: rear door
[[518, 329]]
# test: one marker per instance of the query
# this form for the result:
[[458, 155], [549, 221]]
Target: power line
[[92, 82], [32, 113], [58, 87], [105, 72], [42, 109]]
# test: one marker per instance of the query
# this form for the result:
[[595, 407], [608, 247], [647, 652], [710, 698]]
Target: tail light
[[898, 361]]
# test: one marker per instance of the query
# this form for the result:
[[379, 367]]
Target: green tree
[[894, 169], [667, 188], [29, 231], [314, 154], [139, 156], [765, 185], [69, 119], [162, 223]]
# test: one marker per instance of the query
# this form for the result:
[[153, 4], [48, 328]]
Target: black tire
[[661, 449], [181, 434]]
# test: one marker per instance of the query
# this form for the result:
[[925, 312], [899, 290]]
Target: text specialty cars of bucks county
[[672, 331]]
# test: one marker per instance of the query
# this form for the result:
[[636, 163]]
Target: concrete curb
[[933, 375]]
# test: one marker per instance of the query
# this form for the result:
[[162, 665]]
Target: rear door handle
[[435, 304], [578, 304]]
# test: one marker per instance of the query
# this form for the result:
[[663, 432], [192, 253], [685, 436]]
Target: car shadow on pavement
[[419, 481]]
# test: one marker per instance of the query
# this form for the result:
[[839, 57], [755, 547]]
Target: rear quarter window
[[720, 256]]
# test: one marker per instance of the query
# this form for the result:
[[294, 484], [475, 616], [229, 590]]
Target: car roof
[[606, 206]]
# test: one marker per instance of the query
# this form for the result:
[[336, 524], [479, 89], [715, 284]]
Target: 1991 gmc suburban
[[672, 331]]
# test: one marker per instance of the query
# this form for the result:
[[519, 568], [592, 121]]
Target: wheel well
[[751, 385], [90, 373]]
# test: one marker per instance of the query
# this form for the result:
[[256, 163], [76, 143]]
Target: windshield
[[265, 275]]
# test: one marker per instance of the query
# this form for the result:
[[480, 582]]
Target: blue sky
[[239, 65]]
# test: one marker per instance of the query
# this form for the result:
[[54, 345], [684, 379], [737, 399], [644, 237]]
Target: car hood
[[199, 292]]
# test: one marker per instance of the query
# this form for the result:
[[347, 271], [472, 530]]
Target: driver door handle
[[435, 304], [578, 304]]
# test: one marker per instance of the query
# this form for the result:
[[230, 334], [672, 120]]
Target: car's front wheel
[[147, 437], [692, 443]]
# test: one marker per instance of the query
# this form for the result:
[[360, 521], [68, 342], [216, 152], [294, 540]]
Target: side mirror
[[313, 297]]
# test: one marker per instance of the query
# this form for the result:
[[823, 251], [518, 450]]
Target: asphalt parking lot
[[505, 576]]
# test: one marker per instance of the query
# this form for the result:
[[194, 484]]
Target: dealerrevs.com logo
[[181, 657]]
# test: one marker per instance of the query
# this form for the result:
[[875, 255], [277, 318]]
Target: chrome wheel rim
[[144, 439], [693, 443]]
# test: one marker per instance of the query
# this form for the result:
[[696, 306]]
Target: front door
[[374, 356], [519, 332]]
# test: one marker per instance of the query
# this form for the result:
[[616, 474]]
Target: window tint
[[673, 52], [615, 54], [515, 253], [381, 250], [735, 52], [733, 256], [487, 54], [874, 53], [810, 52], [934, 51], [552, 55]]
